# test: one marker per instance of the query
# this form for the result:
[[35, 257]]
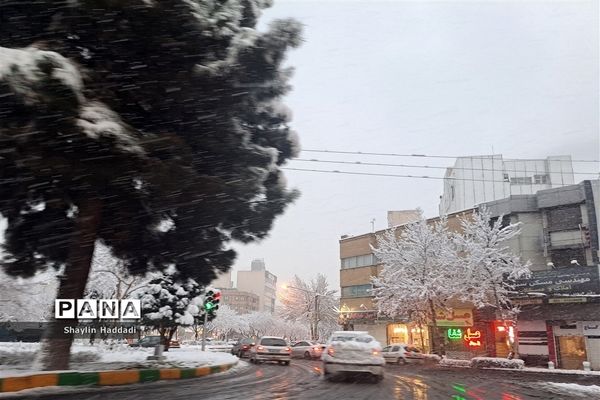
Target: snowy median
[[108, 365]]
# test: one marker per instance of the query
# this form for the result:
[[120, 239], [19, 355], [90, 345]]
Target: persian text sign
[[590, 328], [455, 317], [580, 280]]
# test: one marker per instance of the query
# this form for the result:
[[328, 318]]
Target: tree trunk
[[421, 335], [437, 344], [56, 345]]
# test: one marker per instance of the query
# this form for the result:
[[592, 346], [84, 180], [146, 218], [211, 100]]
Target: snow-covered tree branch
[[489, 267], [419, 273]]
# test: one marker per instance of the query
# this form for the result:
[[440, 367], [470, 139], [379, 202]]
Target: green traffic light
[[209, 306]]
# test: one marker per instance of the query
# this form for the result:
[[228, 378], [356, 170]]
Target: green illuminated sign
[[455, 334]]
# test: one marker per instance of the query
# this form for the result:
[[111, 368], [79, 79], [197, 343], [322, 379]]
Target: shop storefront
[[463, 338], [564, 303], [408, 333], [570, 345]]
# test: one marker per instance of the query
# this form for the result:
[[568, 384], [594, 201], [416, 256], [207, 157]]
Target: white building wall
[[480, 179]]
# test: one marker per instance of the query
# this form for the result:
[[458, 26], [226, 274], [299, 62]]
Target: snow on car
[[354, 352]]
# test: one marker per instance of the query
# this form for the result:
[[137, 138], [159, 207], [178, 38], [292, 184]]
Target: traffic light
[[216, 300], [211, 301]]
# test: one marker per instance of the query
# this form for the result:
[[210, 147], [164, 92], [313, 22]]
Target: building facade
[[223, 281], [357, 309], [481, 179], [260, 282], [560, 306], [240, 301]]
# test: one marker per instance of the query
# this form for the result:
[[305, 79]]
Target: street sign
[[461, 317], [571, 280]]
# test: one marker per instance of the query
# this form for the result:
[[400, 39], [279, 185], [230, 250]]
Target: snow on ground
[[561, 371], [450, 362], [574, 389], [16, 358]]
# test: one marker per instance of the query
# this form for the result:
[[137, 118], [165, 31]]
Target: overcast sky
[[437, 78]]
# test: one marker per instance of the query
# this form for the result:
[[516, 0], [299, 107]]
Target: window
[[541, 179], [359, 261], [396, 348], [505, 178], [564, 218], [357, 291], [273, 342], [562, 258], [520, 180]]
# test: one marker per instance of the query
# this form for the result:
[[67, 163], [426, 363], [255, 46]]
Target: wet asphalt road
[[302, 380]]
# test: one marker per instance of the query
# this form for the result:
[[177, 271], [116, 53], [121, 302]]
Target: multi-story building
[[560, 307], [357, 309], [559, 303], [260, 282], [223, 281], [240, 301], [481, 179]]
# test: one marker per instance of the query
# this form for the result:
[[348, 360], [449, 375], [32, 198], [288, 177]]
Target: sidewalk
[[107, 366], [105, 378]]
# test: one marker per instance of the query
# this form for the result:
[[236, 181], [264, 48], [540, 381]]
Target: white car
[[271, 348], [307, 349], [353, 352], [402, 354]]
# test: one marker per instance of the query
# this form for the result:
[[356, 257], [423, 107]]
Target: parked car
[[174, 344], [219, 346], [271, 348], [307, 349], [242, 347], [353, 352], [402, 354], [146, 341]]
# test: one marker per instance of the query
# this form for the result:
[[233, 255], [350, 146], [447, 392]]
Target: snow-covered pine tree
[[153, 126], [168, 304]]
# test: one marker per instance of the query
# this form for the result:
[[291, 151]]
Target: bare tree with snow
[[419, 273], [109, 278], [489, 265], [226, 322], [311, 303]]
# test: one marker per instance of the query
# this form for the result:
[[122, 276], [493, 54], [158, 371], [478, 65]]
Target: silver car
[[271, 348], [402, 354], [307, 349]]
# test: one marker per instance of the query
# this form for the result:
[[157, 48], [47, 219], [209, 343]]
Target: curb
[[541, 371], [105, 378]]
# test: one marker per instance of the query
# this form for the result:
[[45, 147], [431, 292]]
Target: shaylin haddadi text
[[87, 330]]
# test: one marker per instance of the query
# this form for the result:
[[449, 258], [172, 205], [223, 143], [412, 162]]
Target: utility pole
[[204, 329], [316, 331]]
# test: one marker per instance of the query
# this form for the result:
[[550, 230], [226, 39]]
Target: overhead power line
[[425, 166], [400, 176], [430, 156]]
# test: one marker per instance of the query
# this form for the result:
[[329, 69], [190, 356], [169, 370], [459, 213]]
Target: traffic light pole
[[204, 329]]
